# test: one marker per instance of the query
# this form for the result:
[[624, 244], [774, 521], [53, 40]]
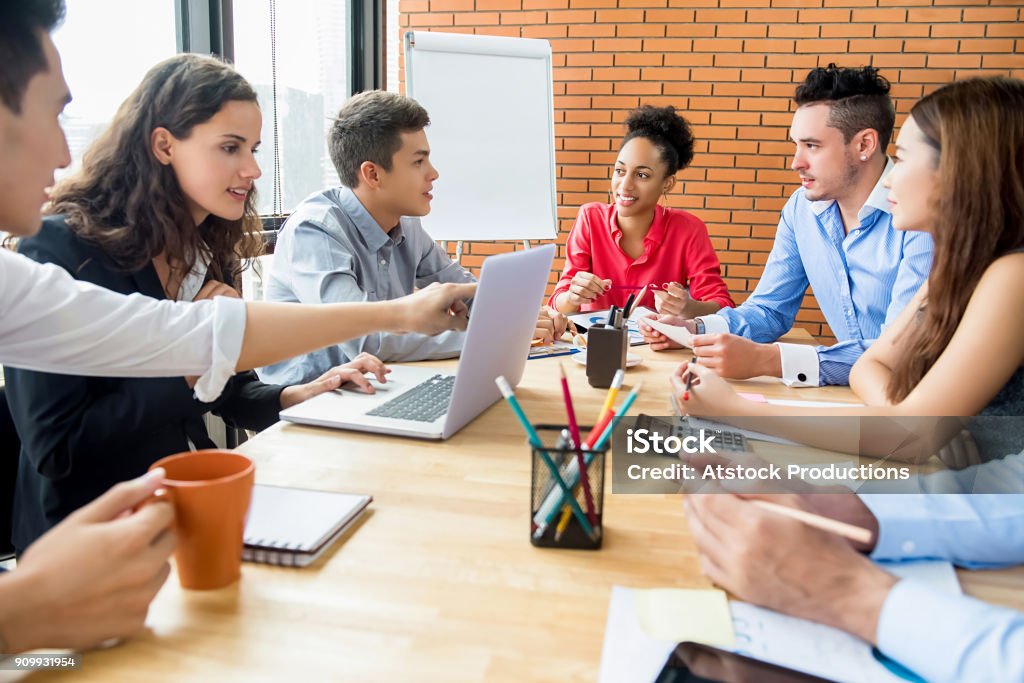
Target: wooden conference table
[[439, 582]]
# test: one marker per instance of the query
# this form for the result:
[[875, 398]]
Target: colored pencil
[[574, 431]]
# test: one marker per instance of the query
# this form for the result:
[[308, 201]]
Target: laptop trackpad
[[378, 387], [401, 379]]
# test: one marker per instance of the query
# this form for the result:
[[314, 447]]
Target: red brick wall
[[731, 66]]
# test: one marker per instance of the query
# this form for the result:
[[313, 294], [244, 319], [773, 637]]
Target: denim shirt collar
[[371, 232]]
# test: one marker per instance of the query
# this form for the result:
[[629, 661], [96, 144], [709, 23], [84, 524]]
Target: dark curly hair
[[130, 205], [859, 98], [667, 130], [21, 51]]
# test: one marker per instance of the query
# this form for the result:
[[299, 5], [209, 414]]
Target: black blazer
[[81, 435]]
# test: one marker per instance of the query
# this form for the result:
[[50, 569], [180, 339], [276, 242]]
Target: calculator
[[726, 438]]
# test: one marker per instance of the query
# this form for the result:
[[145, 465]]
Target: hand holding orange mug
[[210, 491]]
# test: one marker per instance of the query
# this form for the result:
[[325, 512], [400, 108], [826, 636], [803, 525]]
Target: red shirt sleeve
[[577, 254], [703, 269]]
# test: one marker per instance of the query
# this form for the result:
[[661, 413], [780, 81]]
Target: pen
[[574, 430], [563, 522], [629, 304], [563, 442], [606, 413], [619, 414], [689, 381], [639, 299], [510, 397], [611, 316], [850, 531], [546, 514]]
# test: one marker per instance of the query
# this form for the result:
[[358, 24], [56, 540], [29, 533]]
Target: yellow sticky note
[[678, 615]]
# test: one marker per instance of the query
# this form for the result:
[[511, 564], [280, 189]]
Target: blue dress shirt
[[331, 250], [861, 280], [953, 637]]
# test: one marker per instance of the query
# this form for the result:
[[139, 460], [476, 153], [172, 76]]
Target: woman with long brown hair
[[957, 350], [162, 206], [958, 347]]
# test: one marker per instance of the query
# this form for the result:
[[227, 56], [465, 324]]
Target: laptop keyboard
[[425, 402]]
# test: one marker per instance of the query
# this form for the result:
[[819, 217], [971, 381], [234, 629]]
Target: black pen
[[611, 316], [629, 304], [689, 380]]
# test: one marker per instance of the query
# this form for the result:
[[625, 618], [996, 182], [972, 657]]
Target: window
[[393, 39], [309, 54], [105, 54]]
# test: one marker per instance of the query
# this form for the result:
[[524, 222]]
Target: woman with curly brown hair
[[616, 249], [162, 206]]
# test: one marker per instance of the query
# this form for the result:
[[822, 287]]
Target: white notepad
[[293, 527]]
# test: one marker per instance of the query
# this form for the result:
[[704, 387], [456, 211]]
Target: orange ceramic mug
[[210, 490]]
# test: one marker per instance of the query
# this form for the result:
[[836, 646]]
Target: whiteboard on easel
[[492, 134]]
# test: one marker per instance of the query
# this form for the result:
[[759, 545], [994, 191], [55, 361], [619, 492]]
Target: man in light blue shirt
[[835, 234], [331, 250], [786, 565], [937, 635], [363, 241]]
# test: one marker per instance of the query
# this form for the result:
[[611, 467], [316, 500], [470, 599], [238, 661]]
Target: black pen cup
[[547, 497], [606, 353]]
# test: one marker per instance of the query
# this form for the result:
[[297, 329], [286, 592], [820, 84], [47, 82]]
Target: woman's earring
[[863, 157]]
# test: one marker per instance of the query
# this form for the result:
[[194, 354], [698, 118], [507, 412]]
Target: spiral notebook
[[293, 527]]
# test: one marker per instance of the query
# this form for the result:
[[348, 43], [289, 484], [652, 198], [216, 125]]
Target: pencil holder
[[606, 354], [584, 528]]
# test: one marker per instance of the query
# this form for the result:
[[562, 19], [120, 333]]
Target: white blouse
[[50, 322]]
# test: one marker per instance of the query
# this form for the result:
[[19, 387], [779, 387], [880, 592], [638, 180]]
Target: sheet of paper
[[679, 615], [557, 348], [641, 312], [822, 650], [812, 404], [805, 646], [679, 335], [759, 398], [631, 654]]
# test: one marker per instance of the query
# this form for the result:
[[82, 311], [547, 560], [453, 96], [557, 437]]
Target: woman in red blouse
[[616, 249]]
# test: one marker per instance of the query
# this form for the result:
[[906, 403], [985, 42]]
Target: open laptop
[[429, 404]]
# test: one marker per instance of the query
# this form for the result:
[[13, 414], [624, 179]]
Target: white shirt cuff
[[799, 365], [228, 332], [714, 324]]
